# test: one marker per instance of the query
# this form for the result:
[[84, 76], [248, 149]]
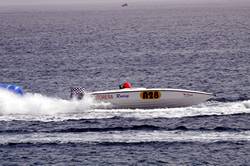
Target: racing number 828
[[150, 95]]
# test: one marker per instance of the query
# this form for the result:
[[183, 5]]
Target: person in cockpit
[[125, 85]]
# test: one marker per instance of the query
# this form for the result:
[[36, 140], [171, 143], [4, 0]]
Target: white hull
[[151, 98]]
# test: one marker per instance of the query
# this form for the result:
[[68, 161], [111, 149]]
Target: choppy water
[[201, 48]]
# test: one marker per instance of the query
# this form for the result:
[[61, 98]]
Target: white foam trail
[[42, 108], [126, 137], [37, 104]]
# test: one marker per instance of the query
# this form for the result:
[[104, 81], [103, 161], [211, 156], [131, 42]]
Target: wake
[[124, 137], [37, 107], [37, 104]]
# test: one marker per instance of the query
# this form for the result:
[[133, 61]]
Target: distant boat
[[12, 88], [124, 5]]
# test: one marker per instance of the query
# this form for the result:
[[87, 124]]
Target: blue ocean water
[[199, 48]]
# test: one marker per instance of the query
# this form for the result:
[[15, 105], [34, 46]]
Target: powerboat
[[128, 97], [146, 97], [151, 98]]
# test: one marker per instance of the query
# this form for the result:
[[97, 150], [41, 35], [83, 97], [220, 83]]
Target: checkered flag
[[77, 92]]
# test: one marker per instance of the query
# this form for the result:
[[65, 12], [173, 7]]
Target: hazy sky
[[28, 2], [111, 2]]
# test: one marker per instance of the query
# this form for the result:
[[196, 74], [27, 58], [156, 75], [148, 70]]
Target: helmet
[[126, 85]]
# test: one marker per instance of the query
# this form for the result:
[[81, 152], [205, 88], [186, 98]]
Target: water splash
[[37, 104]]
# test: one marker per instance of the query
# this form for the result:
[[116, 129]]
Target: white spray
[[36, 104]]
